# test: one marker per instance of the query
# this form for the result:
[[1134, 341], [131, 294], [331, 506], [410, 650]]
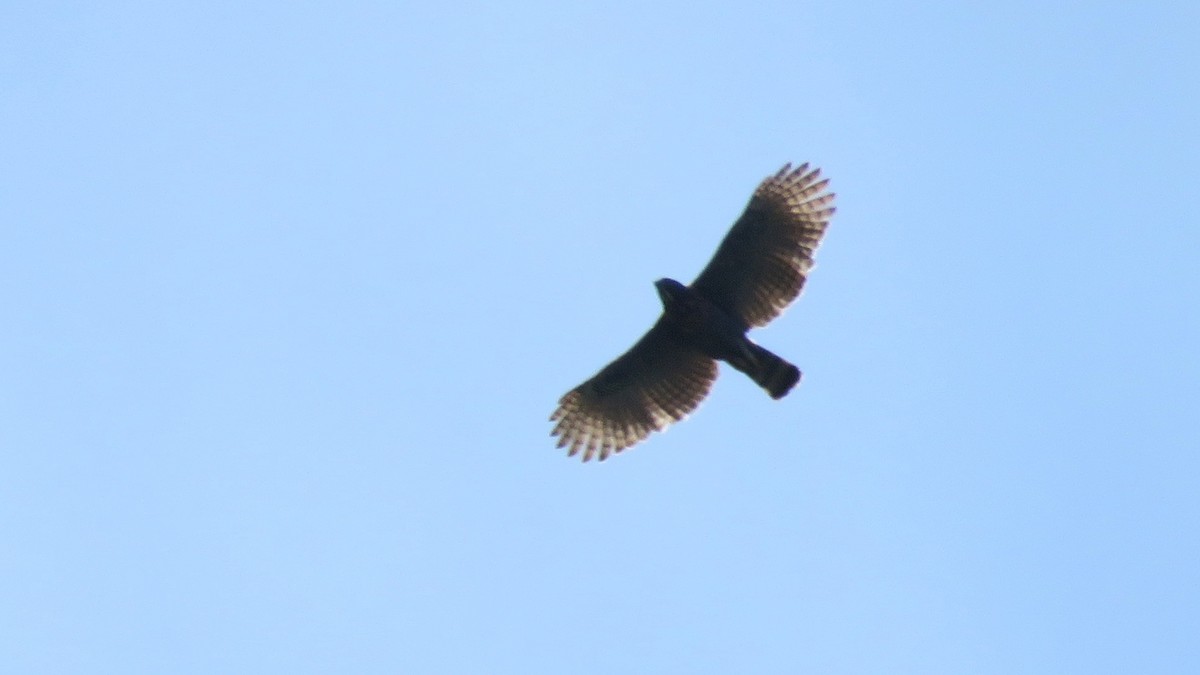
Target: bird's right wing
[[657, 382]]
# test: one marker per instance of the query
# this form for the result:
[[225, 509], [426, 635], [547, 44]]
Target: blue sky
[[291, 289]]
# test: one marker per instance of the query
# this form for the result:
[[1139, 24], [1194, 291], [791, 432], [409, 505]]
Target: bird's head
[[670, 291]]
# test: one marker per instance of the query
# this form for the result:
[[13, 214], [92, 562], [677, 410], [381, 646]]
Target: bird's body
[[701, 325], [698, 322], [758, 269]]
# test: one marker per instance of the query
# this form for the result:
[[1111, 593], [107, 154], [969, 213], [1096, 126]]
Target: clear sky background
[[290, 289]]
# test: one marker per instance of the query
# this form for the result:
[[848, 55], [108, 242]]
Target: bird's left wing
[[657, 382], [762, 263]]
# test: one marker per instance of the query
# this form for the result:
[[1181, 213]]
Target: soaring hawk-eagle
[[757, 271]]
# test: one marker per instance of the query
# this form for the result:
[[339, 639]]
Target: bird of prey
[[756, 272]]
